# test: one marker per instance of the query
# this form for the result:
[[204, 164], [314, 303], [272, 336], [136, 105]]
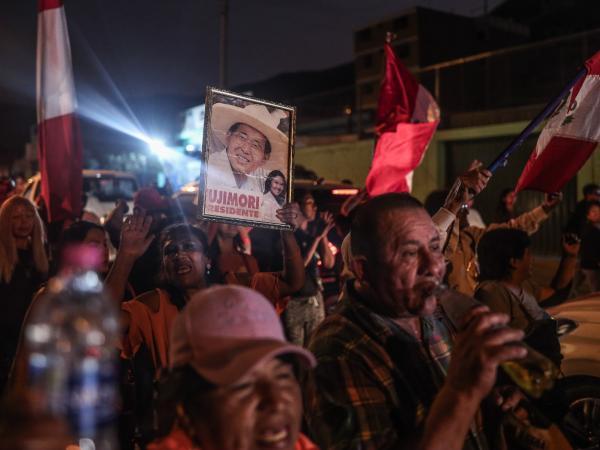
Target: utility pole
[[223, 27]]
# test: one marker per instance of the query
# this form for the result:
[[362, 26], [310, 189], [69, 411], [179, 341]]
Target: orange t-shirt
[[178, 440], [154, 328], [237, 262], [266, 283], [150, 328]]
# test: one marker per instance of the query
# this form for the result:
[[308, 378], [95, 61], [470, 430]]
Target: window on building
[[367, 61], [400, 23]]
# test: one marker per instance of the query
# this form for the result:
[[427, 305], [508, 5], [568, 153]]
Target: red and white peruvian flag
[[407, 117], [59, 143], [569, 137]]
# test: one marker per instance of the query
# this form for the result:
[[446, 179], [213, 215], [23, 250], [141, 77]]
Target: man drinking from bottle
[[393, 370]]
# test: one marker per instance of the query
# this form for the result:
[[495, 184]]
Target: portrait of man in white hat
[[249, 136]]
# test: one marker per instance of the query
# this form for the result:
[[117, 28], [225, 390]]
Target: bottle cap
[[81, 257]]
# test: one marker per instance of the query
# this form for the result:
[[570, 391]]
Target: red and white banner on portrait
[[59, 143]]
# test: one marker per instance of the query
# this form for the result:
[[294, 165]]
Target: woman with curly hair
[[23, 268]]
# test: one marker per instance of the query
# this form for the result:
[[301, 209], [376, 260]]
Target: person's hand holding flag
[[467, 185]]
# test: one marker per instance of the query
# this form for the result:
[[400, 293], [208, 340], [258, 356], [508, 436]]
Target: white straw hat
[[223, 116]]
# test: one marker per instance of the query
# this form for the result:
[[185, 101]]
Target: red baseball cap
[[150, 199], [225, 331]]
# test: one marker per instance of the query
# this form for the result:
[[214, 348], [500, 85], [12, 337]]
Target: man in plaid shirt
[[385, 379]]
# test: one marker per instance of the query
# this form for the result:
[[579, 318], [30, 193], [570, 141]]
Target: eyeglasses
[[254, 144]]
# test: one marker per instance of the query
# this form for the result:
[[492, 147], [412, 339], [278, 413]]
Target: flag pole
[[389, 37], [502, 159]]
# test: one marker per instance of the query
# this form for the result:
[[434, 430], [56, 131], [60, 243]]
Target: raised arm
[[568, 262], [565, 270], [353, 202], [135, 240], [465, 187], [311, 251], [322, 243], [479, 349], [530, 221], [292, 277], [324, 250], [347, 407]]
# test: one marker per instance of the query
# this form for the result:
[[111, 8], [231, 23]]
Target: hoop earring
[[185, 423]]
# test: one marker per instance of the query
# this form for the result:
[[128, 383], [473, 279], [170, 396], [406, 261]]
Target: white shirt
[[474, 219], [269, 207]]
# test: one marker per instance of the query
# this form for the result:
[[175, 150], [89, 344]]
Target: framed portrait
[[247, 158]]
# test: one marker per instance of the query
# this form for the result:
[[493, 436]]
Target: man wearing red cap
[[148, 200]]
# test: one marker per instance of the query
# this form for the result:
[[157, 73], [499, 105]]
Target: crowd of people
[[226, 342]]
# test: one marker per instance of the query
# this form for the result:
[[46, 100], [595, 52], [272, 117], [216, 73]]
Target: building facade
[[486, 97]]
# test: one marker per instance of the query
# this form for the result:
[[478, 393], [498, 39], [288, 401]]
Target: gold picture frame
[[247, 159]]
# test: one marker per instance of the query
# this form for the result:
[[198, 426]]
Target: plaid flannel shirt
[[374, 383]]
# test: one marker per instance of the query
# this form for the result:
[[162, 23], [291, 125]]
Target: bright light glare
[[109, 108], [157, 145], [190, 148]]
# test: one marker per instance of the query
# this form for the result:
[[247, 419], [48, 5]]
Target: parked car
[[579, 331], [101, 187]]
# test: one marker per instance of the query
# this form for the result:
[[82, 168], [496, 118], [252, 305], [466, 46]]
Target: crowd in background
[[365, 366]]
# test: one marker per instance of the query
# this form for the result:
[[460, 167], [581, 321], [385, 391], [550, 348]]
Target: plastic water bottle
[[70, 344]]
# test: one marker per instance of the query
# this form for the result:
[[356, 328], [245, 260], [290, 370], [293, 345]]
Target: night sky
[[146, 48]]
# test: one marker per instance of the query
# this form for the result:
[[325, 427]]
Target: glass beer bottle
[[534, 374]]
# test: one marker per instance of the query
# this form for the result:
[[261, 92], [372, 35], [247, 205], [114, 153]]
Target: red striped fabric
[[569, 137], [556, 165], [59, 143], [397, 155], [60, 165]]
